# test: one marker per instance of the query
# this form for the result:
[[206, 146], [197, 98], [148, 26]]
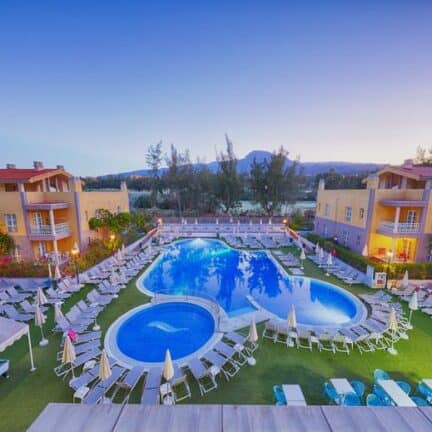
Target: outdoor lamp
[[75, 251]]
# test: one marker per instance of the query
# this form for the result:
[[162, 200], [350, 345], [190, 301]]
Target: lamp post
[[112, 238], [159, 225], [390, 257], [75, 251]]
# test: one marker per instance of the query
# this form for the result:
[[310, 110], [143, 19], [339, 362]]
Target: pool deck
[[230, 418]]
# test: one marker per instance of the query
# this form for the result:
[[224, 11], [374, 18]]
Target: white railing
[[57, 257], [399, 228], [49, 230]]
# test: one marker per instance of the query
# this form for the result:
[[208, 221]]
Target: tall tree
[[334, 180], [274, 182], [154, 160], [423, 156], [228, 184], [177, 175]]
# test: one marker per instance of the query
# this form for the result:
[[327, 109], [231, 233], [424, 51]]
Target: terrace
[[26, 394]]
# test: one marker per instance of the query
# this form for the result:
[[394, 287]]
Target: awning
[[10, 332]]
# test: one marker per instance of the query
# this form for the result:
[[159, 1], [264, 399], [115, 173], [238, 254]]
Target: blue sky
[[91, 84]]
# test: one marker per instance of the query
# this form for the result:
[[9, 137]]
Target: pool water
[[212, 269], [178, 326]]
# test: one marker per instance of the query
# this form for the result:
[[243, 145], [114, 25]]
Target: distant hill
[[309, 168]]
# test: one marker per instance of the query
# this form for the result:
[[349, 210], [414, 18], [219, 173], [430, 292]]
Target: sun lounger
[[153, 379], [236, 355], [129, 381], [242, 341], [203, 376], [12, 313], [85, 337], [224, 364], [82, 348], [64, 369], [12, 292], [179, 385], [29, 308], [98, 392], [270, 329]]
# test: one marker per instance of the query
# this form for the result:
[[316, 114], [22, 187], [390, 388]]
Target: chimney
[[408, 164], [37, 165], [321, 184], [10, 166], [75, 184], [372, 181], [60, 167]]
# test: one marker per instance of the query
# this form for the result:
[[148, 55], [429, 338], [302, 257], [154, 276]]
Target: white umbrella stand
[[413, 306], [253, 339], [40, 321], [393, 326], [302, 258]]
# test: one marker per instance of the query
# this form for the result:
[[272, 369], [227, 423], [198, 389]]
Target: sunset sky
[[90, 86]]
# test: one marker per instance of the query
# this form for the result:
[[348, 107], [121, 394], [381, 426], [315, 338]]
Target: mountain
[[309, 168]]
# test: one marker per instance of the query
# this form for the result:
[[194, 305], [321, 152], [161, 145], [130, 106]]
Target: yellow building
[[390, 220], [46, 211]]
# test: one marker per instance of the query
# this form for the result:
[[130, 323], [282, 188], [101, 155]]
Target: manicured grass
[[25, 394]]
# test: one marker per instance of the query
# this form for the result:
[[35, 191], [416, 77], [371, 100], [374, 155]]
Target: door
[[412, 216], [37, 220], [42, 249]]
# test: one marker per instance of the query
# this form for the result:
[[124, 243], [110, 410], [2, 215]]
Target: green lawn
[[25, 394]]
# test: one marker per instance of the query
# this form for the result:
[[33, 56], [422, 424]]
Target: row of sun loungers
[[370, 335], [256, 241], [339, 269], [225, 358]]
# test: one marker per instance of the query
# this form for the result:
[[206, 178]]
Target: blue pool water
[[212, 269], [178, 326]]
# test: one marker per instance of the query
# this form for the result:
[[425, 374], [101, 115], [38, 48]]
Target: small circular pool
[[144, 334]]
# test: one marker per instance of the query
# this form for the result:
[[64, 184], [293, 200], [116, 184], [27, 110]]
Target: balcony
[[401, 228], [46, 206], [47, 232]]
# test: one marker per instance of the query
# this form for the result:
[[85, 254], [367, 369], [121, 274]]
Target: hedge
[[396, 270]]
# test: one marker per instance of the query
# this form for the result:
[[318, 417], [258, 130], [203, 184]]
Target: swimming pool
[[210, 268], [144, 334]]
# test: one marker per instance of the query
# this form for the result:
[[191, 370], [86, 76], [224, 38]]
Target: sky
[[91, 84]]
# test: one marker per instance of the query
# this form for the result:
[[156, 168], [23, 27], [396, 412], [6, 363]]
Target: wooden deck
[[230, 418]]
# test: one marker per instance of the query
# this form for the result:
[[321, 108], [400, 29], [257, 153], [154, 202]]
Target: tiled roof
[[23, 174], [418, 172]]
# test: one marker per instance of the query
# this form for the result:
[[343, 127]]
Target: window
[[361, 213], [327, 210], [345, 236], [325, 231], [348, 214], [11, 222], [319, 207], [358, 241]]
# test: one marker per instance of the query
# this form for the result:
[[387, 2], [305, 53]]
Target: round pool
[[144, 334]]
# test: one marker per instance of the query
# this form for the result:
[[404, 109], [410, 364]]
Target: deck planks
[[230, 418]]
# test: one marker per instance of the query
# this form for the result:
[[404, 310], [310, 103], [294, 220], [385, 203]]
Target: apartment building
[[390, 220], [46, 211]]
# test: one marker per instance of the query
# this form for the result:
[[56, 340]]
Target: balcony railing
[[399, 228], [49, 230]]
